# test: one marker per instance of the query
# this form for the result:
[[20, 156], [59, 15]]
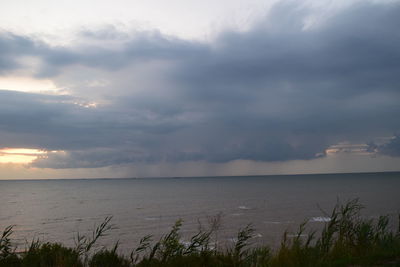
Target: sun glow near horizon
[[20, 155]]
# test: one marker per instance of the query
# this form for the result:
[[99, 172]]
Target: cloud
[[390, 148], [12, 47], [63, 122], [276, 92]]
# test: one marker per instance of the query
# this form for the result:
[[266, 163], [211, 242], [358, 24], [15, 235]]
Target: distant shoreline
[[206, 177]]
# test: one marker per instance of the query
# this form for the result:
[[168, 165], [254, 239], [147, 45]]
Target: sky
[[103, 89]]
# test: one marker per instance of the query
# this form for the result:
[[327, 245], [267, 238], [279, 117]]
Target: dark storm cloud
[[64, 123], [276, 92], [12, 47], [143, 47], [352, 53]]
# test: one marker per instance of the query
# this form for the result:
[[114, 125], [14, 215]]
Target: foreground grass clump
[[346, 240]]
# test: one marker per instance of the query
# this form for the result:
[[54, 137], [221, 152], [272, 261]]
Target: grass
[[346, 240]]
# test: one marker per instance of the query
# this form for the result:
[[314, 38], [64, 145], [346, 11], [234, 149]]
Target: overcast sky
[[194, 88]]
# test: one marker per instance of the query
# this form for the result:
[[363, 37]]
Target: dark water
[[55, 210]]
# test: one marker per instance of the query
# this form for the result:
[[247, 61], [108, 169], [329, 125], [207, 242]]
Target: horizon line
[[199, 177]]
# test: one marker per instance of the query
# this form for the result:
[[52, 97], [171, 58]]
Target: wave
[[320, 219]]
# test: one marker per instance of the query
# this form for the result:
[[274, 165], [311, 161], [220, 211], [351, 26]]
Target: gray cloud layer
[[273, 93], [391, 148]]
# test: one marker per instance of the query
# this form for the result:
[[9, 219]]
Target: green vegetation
[[346, 240]]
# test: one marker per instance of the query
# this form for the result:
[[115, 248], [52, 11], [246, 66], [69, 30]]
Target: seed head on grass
[[144, 245], [84, 243], [6, 247], [244, 235]]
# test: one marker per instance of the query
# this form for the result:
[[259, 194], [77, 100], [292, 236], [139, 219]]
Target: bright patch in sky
[[359, 149], [190, 19], [19, 155], [27, 84]]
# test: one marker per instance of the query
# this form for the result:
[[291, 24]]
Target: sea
[[57, 210]]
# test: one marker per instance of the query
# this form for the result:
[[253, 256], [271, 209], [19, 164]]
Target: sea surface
[[56, 210]]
